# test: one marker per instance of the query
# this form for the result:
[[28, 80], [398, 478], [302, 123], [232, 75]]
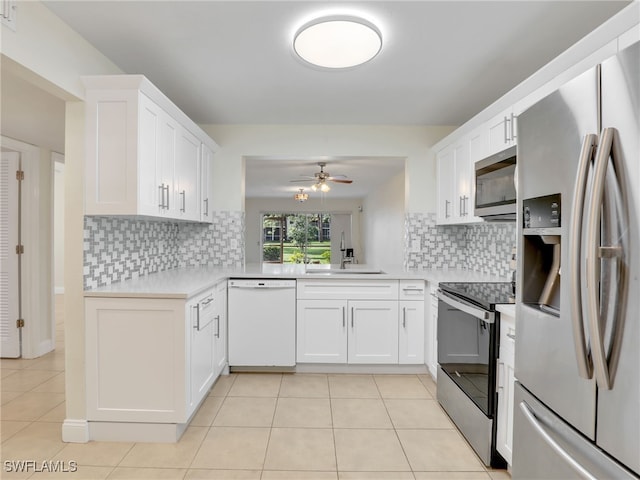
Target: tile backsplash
[[117, 249], [482, 247]]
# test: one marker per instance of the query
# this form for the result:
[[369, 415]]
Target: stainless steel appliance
[[262, 323], [495, 186], [468, 333], [577, 410]]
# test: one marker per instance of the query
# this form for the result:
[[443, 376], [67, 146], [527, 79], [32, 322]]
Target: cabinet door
[[150, 194], [187, 192], [502, 131], [411, 332], [169, 129], [373, 331], [505, 387], [462, 179], [201, 370], [432, 333], [446, 171], [206, 189], [220, 329], [322, 331]]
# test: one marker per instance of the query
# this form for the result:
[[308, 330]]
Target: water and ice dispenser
[[542, 247]]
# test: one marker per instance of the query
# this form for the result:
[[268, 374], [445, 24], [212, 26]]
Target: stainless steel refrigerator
[[577, 400]]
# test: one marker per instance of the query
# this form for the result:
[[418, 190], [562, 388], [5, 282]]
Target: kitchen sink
[[346, 271]]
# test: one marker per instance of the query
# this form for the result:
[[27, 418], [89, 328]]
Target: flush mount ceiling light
[[337, 42]]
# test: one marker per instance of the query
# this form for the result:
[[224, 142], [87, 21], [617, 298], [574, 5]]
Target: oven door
[[467, 349]]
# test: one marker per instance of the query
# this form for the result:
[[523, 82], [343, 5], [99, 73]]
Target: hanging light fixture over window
[[337, 42], [301, 196]]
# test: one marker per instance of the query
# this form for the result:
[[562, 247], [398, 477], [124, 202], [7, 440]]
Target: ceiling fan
[[320, 178]]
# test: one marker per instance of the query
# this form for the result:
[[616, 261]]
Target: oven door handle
[[466, 307]]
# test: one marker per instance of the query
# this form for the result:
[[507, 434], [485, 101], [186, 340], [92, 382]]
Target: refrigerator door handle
[[539, 428], [604, 367], [583, 355]]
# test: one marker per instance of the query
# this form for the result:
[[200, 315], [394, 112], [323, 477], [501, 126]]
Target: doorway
[[10, 255]]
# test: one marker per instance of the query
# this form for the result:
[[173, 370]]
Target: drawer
[[351, 289], [411, 290]]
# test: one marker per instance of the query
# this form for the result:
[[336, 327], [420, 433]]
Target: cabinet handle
[[351, 317], [512, 336], [197, 326], [168, 196], [513, 127], [217, 326], [184, 201], [446, 208], [206, 207], [161, 187], [404, 317], [506, 137], [344, 323], [465, 203], [460, 206]]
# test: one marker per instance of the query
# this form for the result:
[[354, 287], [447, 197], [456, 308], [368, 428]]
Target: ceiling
[[271, 176], [231, 62]]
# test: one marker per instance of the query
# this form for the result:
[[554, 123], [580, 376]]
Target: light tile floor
[[252, 426]]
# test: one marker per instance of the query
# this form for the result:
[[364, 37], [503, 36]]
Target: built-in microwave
[[495, 186]]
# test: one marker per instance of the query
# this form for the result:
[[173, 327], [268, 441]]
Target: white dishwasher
[[262, 323]]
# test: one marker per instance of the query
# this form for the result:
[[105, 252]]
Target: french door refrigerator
[[577, 400]]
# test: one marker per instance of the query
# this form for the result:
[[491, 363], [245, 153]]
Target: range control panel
[[542, 212]]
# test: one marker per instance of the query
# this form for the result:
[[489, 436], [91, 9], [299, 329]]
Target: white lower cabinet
[[360, 321], [321, 331], [373, 331], [151, 360], [505, 386], [411, 332], [220, 329], [343, 331], [201, 369], [431, 334]]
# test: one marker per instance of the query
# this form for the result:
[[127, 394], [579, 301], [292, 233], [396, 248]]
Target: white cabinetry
[[321, 331], [350, 321], [455, 184], [201, 368], [502, 131], [151, 361], [505, 386], [143, 154], [206, 189], [431, 334], [411, 345], [220, 329], [373, 333], [187, 192]]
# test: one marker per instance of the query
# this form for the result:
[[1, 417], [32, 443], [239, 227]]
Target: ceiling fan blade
[[303, 181], [339, 180]]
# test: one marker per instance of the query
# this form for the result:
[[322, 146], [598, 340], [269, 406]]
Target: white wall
[[256, 206], [383, 223], [410, 142]]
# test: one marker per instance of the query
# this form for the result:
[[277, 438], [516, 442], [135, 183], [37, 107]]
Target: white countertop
[[186, 282]]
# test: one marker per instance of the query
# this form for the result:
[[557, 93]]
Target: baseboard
[[360, 368], [136, 432], [75, 431]]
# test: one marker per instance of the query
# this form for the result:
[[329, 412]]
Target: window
[[298, 238]]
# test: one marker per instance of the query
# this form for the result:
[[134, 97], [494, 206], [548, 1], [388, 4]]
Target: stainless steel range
[[468, 333]]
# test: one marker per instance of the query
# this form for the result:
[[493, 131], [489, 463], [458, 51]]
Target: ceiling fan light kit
[[320, 179]]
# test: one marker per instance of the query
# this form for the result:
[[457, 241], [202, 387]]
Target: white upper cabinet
[[206, 189], [456, 185], [143, 154], [502, 131]]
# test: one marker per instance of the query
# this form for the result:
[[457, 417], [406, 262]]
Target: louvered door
[[9, 298]]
